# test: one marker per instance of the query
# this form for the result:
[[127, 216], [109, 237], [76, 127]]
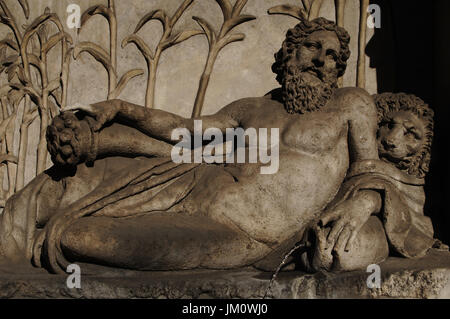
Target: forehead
[[328, 38], [404, 116]]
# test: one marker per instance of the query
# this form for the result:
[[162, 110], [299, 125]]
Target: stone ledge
[[428, 277]]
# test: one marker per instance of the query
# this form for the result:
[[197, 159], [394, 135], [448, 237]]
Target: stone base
[[428, 277]]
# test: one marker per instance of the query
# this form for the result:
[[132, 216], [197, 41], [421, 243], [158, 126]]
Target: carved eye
[[311, 45], [413, 133], [332, 54]]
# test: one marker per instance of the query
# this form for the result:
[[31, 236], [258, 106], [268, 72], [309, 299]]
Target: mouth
[[314, 72]]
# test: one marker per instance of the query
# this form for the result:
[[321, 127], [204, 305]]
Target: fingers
[[98, 124], [335, 231], [343, 239], [329, 216], [79, 107], [351, 239]]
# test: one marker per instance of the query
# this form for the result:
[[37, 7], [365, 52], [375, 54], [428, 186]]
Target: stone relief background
[[242, 69]]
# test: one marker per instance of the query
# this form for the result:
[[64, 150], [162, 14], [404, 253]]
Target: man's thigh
[[157, 241]]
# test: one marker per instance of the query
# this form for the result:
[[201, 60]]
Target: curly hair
[[296, 36], [418, 165]]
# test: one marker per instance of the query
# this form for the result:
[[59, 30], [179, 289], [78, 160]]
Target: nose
[[319, 58], [394, 135], [389, 143]]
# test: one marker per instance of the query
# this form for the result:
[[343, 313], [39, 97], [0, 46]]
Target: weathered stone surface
[[428, 277]]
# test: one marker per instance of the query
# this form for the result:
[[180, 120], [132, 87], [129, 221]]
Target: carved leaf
[[54, 111], [98, 9], [4, 90], [54, 40], [35, 26], [29, 117], [35, 97], [42, 33], [209, 31], [11, 59], [25, 8], [231, 38], [21, 76], [140, 44], [57, 95], [307, 4], [314, 10], [4, 125], [15, 96], [124, 81], [34, 60], [154, 15], [11, 71], [238, 6], [97, 52], [180, 37], [290, 10], [232, 23], [42, 19], [181, 9], [226, 7], [53, 85], [8, 158], [5, 20], [9, 43], [10, 129]]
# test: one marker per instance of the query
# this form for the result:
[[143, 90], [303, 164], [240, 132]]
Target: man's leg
[[158, 241]]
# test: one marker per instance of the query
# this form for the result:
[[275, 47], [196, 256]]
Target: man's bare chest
[[314, 132]]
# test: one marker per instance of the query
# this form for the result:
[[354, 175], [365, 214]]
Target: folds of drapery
[[142, 186], [409, 231]]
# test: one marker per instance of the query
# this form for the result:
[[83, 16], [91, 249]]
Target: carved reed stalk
[[231, 18], [112, 48], [340, 6], [315, 9], [361, 64], [41, 100], [167, 40], [7, 147], [7, 141], [13, 173], [152, 69], [204, 82], [108, 60]]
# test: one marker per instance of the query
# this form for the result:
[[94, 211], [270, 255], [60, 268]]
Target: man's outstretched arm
[[158, 124]]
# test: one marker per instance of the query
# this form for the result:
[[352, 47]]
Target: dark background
[[411, 52]]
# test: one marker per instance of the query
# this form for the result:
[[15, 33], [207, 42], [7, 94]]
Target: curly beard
[[299, 96]]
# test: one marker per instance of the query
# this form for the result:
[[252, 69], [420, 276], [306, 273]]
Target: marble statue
[[115, 197], [391, 190]]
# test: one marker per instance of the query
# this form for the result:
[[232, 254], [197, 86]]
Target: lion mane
[[418, 164]]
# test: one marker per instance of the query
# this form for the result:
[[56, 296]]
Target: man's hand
[[101, 112], [348, 217]]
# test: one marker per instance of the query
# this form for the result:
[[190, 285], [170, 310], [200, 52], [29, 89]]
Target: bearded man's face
[[311, 75]]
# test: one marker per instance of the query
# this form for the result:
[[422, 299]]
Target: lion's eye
[[414, 133]]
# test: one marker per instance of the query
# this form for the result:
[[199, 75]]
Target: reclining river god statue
[[116, 197]]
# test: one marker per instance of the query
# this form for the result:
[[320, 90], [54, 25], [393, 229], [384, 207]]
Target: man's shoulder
[[253, 102], [355, 99], [353, 95]]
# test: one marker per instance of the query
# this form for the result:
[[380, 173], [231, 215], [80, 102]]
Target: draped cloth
[[149, 185], [145, 185], [408, 230]]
